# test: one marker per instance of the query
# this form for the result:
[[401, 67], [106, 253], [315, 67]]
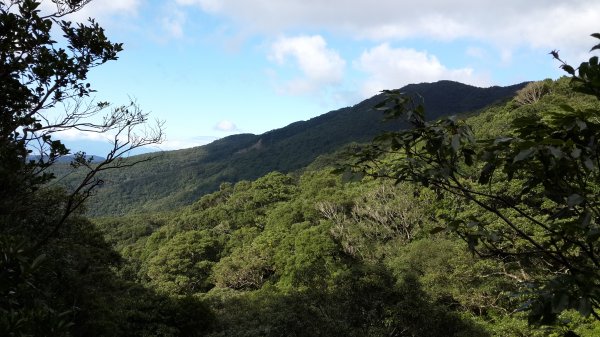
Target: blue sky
[[212, 68]]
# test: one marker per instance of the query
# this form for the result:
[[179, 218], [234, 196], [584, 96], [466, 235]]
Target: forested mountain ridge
[[176, 178], [485, 224], [315, 254]]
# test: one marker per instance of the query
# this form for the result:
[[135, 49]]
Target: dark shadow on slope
[[368, 303]]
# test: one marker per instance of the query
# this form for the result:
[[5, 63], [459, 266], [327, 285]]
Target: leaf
[[437, 230], [38, 260], [586, 218], [468, 158], [568, 69], [581, 124], [567, 108], [592, 235], [472, 241], [557, 153], [486, 173], [502, 140], [560, 302], [472, 224], [574, 200], [453, 225], [524, 154], [589, 164]]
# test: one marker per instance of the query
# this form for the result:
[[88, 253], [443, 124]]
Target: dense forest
[[177, 178], [483, 223], [319, 253]]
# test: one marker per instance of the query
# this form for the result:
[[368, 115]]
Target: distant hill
[[69, 158], [179, 177]]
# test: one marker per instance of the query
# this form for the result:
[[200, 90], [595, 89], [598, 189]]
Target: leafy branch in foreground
[[535, 189], [44, 91]]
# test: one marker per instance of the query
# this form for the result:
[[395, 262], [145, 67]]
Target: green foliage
[[57, 273], [303, 254], [72, 290], [183, 264], [283, 263], [363, 302], [448, 273], [23, 307], [525, 195], [244, 269], [178, 178]]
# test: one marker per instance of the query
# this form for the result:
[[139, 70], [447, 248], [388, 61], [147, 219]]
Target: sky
[[213, 68]]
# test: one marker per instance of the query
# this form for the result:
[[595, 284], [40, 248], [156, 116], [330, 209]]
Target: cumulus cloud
[[226, 125], [515, 23], [390, 68], [319, 65]]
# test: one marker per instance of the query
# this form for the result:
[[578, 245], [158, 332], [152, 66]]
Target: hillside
[[177, 178], [432, 210], [313, 254]]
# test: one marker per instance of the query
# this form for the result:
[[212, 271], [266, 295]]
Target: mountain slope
[[176, 178]]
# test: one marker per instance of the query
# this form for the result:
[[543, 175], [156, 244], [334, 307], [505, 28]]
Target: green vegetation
[[57, 273], [525, 195], [178, 178], [320, 255], [486, 228], [325, 254]]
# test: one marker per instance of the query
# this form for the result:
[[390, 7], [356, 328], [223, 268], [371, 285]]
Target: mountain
[[69, 158], [179, 177]]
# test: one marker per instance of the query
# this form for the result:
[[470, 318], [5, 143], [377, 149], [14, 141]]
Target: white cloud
[[211, 6], [391, 68], [75, 135], [174, 22], [320, 66], [476, 52], [508, 23], [226, 125]]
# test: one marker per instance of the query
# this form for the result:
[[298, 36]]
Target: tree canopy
[[57, 275], [308, 253], [527, 196]]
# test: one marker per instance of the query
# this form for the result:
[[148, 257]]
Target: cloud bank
[[534, 23]]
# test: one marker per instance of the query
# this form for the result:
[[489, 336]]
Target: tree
[[43, 91], [532, 93], [528, 198], [183, 264]]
